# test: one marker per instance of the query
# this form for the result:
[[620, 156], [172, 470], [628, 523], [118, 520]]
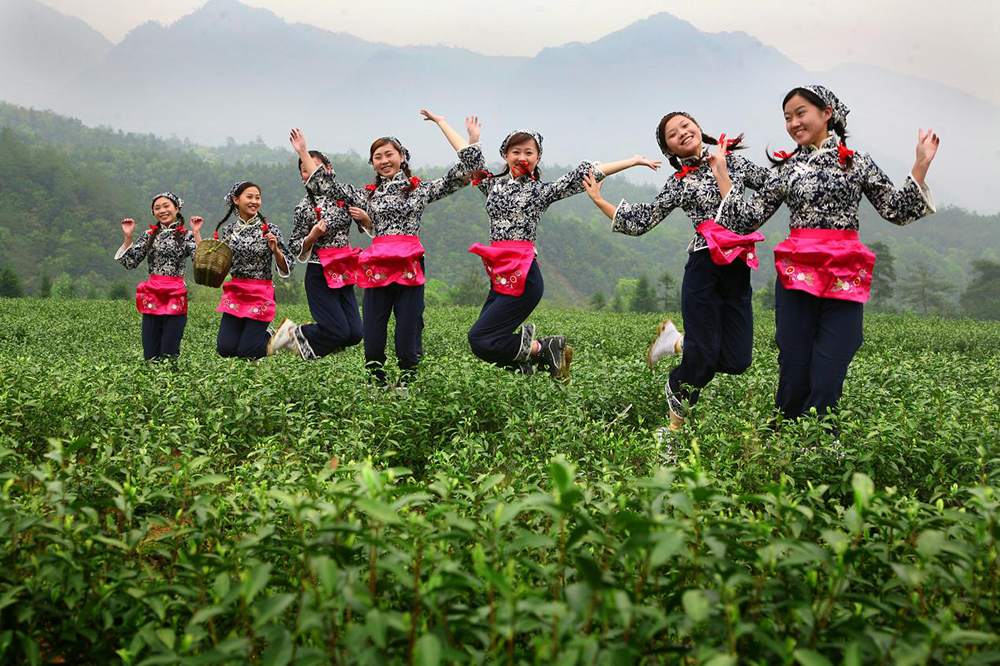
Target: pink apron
[[340, 265], [828, 263], [249, 299], [726, 246], [392, 259], [161, 295], [507, 264]]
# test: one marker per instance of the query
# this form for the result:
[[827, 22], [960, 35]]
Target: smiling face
[[522, 157], [164, 211], [248, 202], [682, 136], [805, 122], [386, 158]]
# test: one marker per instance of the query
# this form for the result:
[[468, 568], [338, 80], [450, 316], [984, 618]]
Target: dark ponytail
[[837, 128], [232, 207]]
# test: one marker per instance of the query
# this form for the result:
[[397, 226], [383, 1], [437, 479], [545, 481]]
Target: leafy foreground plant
[[360, 565]]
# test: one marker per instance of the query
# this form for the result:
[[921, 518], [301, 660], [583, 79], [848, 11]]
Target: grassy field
[[222, 512]]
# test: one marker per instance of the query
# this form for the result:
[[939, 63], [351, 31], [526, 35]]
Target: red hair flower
[[340, 204], [319, 213], [782, 155], [371, 187], [216, 234], [263, 229], [152, 228], [479, 176], [843, 152], [724, 144], [414, 181]]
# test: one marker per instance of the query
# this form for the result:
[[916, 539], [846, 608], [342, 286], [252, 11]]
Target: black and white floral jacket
[[393, 212], [515, 205], [167, 254], [696, 193], [338, 227], [821, 195], [252, 258]]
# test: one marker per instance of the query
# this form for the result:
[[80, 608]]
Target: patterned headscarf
[[177, 201], [661, 141], [399, 146], [535, 135], [230, 198], [840, 109]]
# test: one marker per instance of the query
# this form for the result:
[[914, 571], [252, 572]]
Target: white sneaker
[[668, 341], [283, 338]]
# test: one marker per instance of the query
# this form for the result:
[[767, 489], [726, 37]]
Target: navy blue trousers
[[241, 337], [718, 323], [338, 324], [407, 304], [161, 335], [817, 338], [493, 336]]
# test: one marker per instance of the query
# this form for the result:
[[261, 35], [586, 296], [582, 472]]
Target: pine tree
[[981, 299], [10, 283], [644, 296], [670, 296], [883, 277]]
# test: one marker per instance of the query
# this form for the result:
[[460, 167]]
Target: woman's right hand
[[318, 230], [298, 140], [128, 226], [474, 128], [593, 186]]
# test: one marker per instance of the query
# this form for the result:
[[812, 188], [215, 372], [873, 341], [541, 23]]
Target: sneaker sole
[[563, 374], [659, 332], [270, 343]]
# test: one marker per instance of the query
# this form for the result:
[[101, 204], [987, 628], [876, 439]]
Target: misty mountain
[[42, 50], [229, 70]]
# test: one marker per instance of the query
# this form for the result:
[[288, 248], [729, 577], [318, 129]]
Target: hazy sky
[[954, 41]]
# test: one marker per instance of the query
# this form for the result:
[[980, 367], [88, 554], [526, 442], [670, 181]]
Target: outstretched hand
[[298, 140], [642, 161], [128, 226], [196, 223], [592, 185], [430, 116], [927, 145], [474, 128]]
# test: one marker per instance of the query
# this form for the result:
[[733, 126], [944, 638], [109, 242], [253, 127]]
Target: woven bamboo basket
[[212, 261]]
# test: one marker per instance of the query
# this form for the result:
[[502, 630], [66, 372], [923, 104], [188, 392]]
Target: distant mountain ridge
[[229, 70]]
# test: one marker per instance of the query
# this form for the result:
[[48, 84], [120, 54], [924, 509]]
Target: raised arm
[[635, 219], [323, 181], [131, 254], [456, 141], [899, 206]]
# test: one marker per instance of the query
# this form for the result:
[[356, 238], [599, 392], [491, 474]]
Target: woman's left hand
[[272, 243], [642, 161], [927, 145], [196, 223], [430, 116]]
